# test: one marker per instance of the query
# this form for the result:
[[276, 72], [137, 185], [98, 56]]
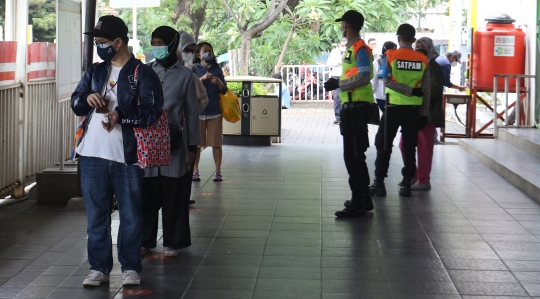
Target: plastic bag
[[230, 108]]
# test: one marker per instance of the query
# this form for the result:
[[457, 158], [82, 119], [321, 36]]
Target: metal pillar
[[90, 21]]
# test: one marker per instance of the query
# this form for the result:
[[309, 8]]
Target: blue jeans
[[337, 104], [100, 179]]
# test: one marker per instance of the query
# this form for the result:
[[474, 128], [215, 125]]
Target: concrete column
[[21, 34], [10, 20]]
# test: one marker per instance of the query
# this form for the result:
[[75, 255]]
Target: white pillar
[[10, 20], [21, 33]]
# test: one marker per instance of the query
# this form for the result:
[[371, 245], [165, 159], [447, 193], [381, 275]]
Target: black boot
[[368, 203], [377, 188], [353, 208], [405, 189]]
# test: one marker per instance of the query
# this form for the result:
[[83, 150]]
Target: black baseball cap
[[406, 30], [354, 18], [109, 27]]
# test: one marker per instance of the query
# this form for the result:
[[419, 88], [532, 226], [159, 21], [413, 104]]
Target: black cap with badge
[[110, 27], [354, 18]]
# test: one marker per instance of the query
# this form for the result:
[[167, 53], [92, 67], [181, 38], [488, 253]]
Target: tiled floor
[[268, 231]]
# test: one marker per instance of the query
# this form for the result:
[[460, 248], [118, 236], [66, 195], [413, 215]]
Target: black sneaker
[[191, 202], [377, 189], [405, 190], [350, 212], [368, 204]]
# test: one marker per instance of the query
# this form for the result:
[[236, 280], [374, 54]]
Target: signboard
[[68, 36], [129, 3], [504, 45]]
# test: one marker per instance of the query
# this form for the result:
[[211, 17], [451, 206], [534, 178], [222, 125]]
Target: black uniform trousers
[[407, 118], [354, 130], [171, 195]]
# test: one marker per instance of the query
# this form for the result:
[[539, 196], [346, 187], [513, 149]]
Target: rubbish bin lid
[[500, 19]]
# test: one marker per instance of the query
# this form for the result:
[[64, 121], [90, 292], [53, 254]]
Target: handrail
[[517, 108]]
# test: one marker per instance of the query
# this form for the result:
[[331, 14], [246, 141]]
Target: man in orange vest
[[407, 98], [356, 97]]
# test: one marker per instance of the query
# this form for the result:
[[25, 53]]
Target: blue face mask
[[106, 52], [207, 57], [161, 52]]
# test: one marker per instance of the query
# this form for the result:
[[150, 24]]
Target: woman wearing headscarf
[[377, 83], [168, 188], [434, 118]]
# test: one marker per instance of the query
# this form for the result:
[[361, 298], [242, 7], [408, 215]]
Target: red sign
[[135, 292]]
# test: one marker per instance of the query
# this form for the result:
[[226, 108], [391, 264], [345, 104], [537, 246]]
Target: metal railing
[[9, 136], [49, 126], [517, 104], [306, 82], [41, 127]]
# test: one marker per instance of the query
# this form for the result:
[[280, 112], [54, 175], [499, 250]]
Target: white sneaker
[[421, 187], [170, 252], [95, 278], [130, 277]]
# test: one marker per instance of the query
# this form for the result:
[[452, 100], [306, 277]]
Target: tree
[[42, 17], [244, 14], [191, 14]]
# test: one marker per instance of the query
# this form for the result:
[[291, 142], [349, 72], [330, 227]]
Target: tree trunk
[[279, 63], [256, 30], [183, 8], [244, 53]]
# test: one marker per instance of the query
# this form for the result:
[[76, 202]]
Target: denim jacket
[[140, 100]]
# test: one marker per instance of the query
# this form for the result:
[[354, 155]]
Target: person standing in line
[[185, 53], [356, 97], [408, 89], [446, 62], [334, 61], [165, 187], [379, 90], [186, 48], [429, 123], [114, 101], [205, 66], [372, 44]]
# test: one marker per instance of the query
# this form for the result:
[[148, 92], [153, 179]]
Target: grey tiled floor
[[268, 231]]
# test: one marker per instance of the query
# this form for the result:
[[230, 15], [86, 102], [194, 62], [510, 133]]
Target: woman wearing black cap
[[168, 188]]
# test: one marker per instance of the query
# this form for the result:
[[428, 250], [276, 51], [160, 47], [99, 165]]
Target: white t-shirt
[[97, 142], [335, 60]]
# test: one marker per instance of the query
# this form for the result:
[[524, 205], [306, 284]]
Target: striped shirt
[[180, 101]]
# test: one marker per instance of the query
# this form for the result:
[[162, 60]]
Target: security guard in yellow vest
[[357, 100], [407, 86]]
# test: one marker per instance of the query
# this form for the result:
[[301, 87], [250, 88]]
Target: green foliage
[[148, 19], [2, 13], [42, 17], [236, 88]]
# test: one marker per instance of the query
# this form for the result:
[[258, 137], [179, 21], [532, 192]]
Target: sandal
[[196, 176], [217, 177]]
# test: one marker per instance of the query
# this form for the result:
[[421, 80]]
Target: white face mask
[[342, 49], [187, 57], [454, 63]]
